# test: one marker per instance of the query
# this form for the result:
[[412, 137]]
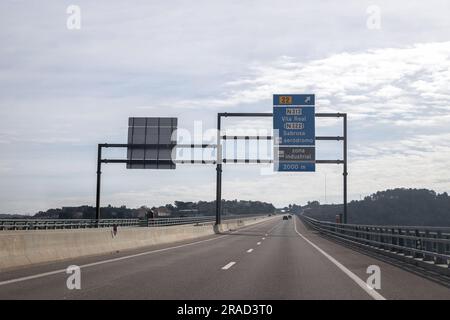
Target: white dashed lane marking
[[228, 266]]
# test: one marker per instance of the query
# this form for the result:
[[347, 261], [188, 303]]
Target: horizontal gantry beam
[[155, 145], [203, 146], [270, 114], [168, 162], [331, 138], [268, 161]]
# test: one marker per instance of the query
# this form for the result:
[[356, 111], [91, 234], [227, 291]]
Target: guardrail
[[428, 247], [156, 222], [46, 224], [159, 222]]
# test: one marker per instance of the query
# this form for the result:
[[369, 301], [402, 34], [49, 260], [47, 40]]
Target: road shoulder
[[396, 283]]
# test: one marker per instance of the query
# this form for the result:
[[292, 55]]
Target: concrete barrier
[[24, 248]]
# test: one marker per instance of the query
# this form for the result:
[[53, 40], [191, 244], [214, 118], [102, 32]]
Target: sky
[[63, 90]]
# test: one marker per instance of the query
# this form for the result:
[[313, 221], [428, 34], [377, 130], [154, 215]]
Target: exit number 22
[[285, 100]]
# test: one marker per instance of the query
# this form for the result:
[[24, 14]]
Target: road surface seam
[[50, 273], [372, 292], [271, 229]]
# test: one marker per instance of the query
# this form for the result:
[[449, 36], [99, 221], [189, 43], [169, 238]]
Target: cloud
[[389, 83]]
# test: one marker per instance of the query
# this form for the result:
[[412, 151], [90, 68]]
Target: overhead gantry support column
[[345, 173], [99, 177], [219, 172]]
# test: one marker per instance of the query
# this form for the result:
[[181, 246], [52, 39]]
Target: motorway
[[275, 259]]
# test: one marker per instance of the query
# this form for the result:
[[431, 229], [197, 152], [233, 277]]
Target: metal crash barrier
[[420, 245], [48, 224]]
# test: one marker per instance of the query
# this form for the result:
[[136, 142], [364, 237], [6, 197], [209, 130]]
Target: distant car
[[290, 216], [285, 218]]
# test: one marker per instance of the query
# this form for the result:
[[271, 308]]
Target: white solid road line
[[258, 243], [372, 292], [228, 266], [50, 273], [249, 250]]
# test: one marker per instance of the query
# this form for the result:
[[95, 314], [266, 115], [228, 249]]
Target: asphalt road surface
[[276, 259]]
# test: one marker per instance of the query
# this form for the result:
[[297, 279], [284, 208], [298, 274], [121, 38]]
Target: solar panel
[[151, 139]]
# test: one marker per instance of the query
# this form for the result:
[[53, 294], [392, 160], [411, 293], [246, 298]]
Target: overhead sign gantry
[[152, 142]]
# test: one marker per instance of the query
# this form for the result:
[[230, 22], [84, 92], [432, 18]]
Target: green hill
[[391, 207]]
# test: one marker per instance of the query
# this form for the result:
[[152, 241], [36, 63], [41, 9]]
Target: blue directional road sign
[[294, 132], [294, 125]]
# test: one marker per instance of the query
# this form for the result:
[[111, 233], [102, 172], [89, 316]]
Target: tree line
[[179, 208], [399, 206], [231, 207]]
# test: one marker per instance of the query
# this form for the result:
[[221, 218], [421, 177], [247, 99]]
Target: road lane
[[286, 267]]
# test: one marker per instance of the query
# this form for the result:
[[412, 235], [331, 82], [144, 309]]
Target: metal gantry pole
[[99, 175], [219, 173], [345, 173]]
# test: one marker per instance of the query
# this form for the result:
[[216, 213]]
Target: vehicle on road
[[285, 218]]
